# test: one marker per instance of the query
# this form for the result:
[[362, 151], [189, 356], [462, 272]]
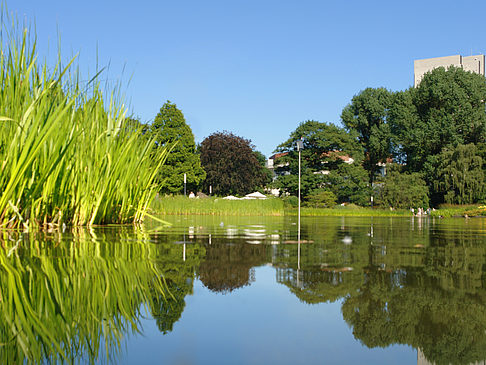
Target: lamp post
[[185, 184], [300, 147]]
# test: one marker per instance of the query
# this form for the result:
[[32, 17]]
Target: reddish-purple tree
[[231, 164]]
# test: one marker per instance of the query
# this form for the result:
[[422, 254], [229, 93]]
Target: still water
[[212, 290]]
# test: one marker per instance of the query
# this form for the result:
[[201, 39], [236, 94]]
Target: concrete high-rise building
[[468, 63]]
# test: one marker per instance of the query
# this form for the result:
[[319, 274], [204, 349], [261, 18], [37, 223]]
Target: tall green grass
[[66, 155], [216, 206]]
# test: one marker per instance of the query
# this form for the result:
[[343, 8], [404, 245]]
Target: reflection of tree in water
[[228, 266], [179, 275], [400, 287], [319, 286], [409, 308], [170, 310], [415, 284]]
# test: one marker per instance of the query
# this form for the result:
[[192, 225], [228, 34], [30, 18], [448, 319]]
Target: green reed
[[216, 206], [66, 154]]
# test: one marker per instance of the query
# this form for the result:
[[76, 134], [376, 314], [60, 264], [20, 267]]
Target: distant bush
[[291, 201], [402, 190], [321, 199], [349, 206]]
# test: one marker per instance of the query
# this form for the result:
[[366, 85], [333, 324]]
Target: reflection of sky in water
[[259, 324]]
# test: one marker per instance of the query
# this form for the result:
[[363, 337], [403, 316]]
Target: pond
[[242, 290]]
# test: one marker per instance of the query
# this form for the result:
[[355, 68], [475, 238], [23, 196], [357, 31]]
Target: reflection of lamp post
[[184, 249]]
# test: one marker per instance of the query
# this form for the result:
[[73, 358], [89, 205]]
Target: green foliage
[[349, 182], [291, 201], [323, 143], [460, 176], [446, 109], [321, 199], [290, 183], [404, 190], [66, 155], [231, 164], [326, 150], [367, 115], [171, 131], [267, 175]]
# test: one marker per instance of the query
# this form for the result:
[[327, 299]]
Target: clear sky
[[254, 68]]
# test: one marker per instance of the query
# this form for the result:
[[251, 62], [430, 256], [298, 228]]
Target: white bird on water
[[347, 240]]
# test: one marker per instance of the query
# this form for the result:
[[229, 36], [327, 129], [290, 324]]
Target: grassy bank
[[449, 210], [66, 154], [344, 211], [181, 205]]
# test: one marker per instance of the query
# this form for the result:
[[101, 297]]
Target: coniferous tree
[[171, 129]]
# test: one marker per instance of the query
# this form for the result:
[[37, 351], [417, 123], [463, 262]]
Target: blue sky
[[255, 68]]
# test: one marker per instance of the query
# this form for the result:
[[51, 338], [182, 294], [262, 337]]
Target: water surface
[[212, 290]]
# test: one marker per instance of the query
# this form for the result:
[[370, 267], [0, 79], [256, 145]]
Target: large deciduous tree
[[170, 129], [430, 122], [327, 148], [446, 109], [231, 164], [367, 115]]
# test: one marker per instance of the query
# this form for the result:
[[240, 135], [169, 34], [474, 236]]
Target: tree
[[170, 129], [331, 160], [446, 109], [367, 115], [460, 177], [267, 174], [231, 164], [349, 182]]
